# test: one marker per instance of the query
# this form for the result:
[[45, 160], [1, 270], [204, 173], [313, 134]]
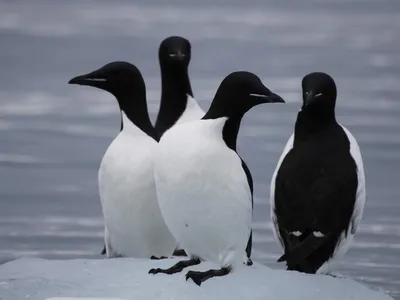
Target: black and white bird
[[202, 188], [134, 225], [177, 101], [318, 187]]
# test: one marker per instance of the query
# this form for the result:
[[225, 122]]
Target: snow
[[128, 278]]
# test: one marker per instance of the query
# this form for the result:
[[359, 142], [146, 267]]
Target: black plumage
[[316, 184]]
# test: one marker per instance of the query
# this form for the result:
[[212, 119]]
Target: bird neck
[[134, 113], [230, 129], [175, 84], [311, 122]]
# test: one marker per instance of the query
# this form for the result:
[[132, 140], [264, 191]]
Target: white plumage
[[345, 242], [275, 230], [203, 192], [133, 222], [192, 111]]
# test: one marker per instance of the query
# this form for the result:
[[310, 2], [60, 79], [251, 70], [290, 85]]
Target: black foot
[[249, 262], [179, 252], [249, 245], [199, 277], [103, 252], [178, 267], [335, 276], [155, 257]]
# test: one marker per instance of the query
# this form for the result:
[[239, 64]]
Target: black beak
[[266, 96], [95, 79], [310, 98], [274, 98], [178, 55]]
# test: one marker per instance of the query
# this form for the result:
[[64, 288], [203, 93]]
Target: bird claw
[[335, 275], [197, 277], [155, 271], [249, 262], [158, 258]]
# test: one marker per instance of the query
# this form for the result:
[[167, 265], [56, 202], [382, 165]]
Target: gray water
[[52, 135]]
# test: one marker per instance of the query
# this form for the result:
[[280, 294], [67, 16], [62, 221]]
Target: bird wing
[[312, 204]]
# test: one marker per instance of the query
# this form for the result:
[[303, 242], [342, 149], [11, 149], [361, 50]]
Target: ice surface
[[127, 278]]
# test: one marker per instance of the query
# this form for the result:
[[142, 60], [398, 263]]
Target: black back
[[174, 57], [250, 182], [315, 187]]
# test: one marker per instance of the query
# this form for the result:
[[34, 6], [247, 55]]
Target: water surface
[[52, 135]]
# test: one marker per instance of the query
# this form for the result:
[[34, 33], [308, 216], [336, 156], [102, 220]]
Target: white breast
[[275, 229], [203, 192], [192, 111], [133, 220]]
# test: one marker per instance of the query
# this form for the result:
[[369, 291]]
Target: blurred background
[[53, 135]]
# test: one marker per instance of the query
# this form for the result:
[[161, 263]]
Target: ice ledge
[[127, 278]]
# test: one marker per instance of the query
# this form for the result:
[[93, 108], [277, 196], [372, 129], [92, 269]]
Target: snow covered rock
[[128, 278]]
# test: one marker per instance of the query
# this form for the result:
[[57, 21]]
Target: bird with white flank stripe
[[318, 187]]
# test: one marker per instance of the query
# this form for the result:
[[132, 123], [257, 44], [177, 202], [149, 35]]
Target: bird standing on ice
[[202, 188], [318, 187], [177, 102], [134, 226]]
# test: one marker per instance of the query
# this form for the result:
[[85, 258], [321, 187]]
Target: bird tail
[[297, 255]]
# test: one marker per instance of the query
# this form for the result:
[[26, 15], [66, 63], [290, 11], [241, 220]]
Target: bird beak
[[267, 96], [310, 98], [95, 79], [274, 98]]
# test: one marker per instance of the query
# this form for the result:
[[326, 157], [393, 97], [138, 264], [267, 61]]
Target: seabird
[[318, 187], [202, 187], [134, 225], [178, 104]]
